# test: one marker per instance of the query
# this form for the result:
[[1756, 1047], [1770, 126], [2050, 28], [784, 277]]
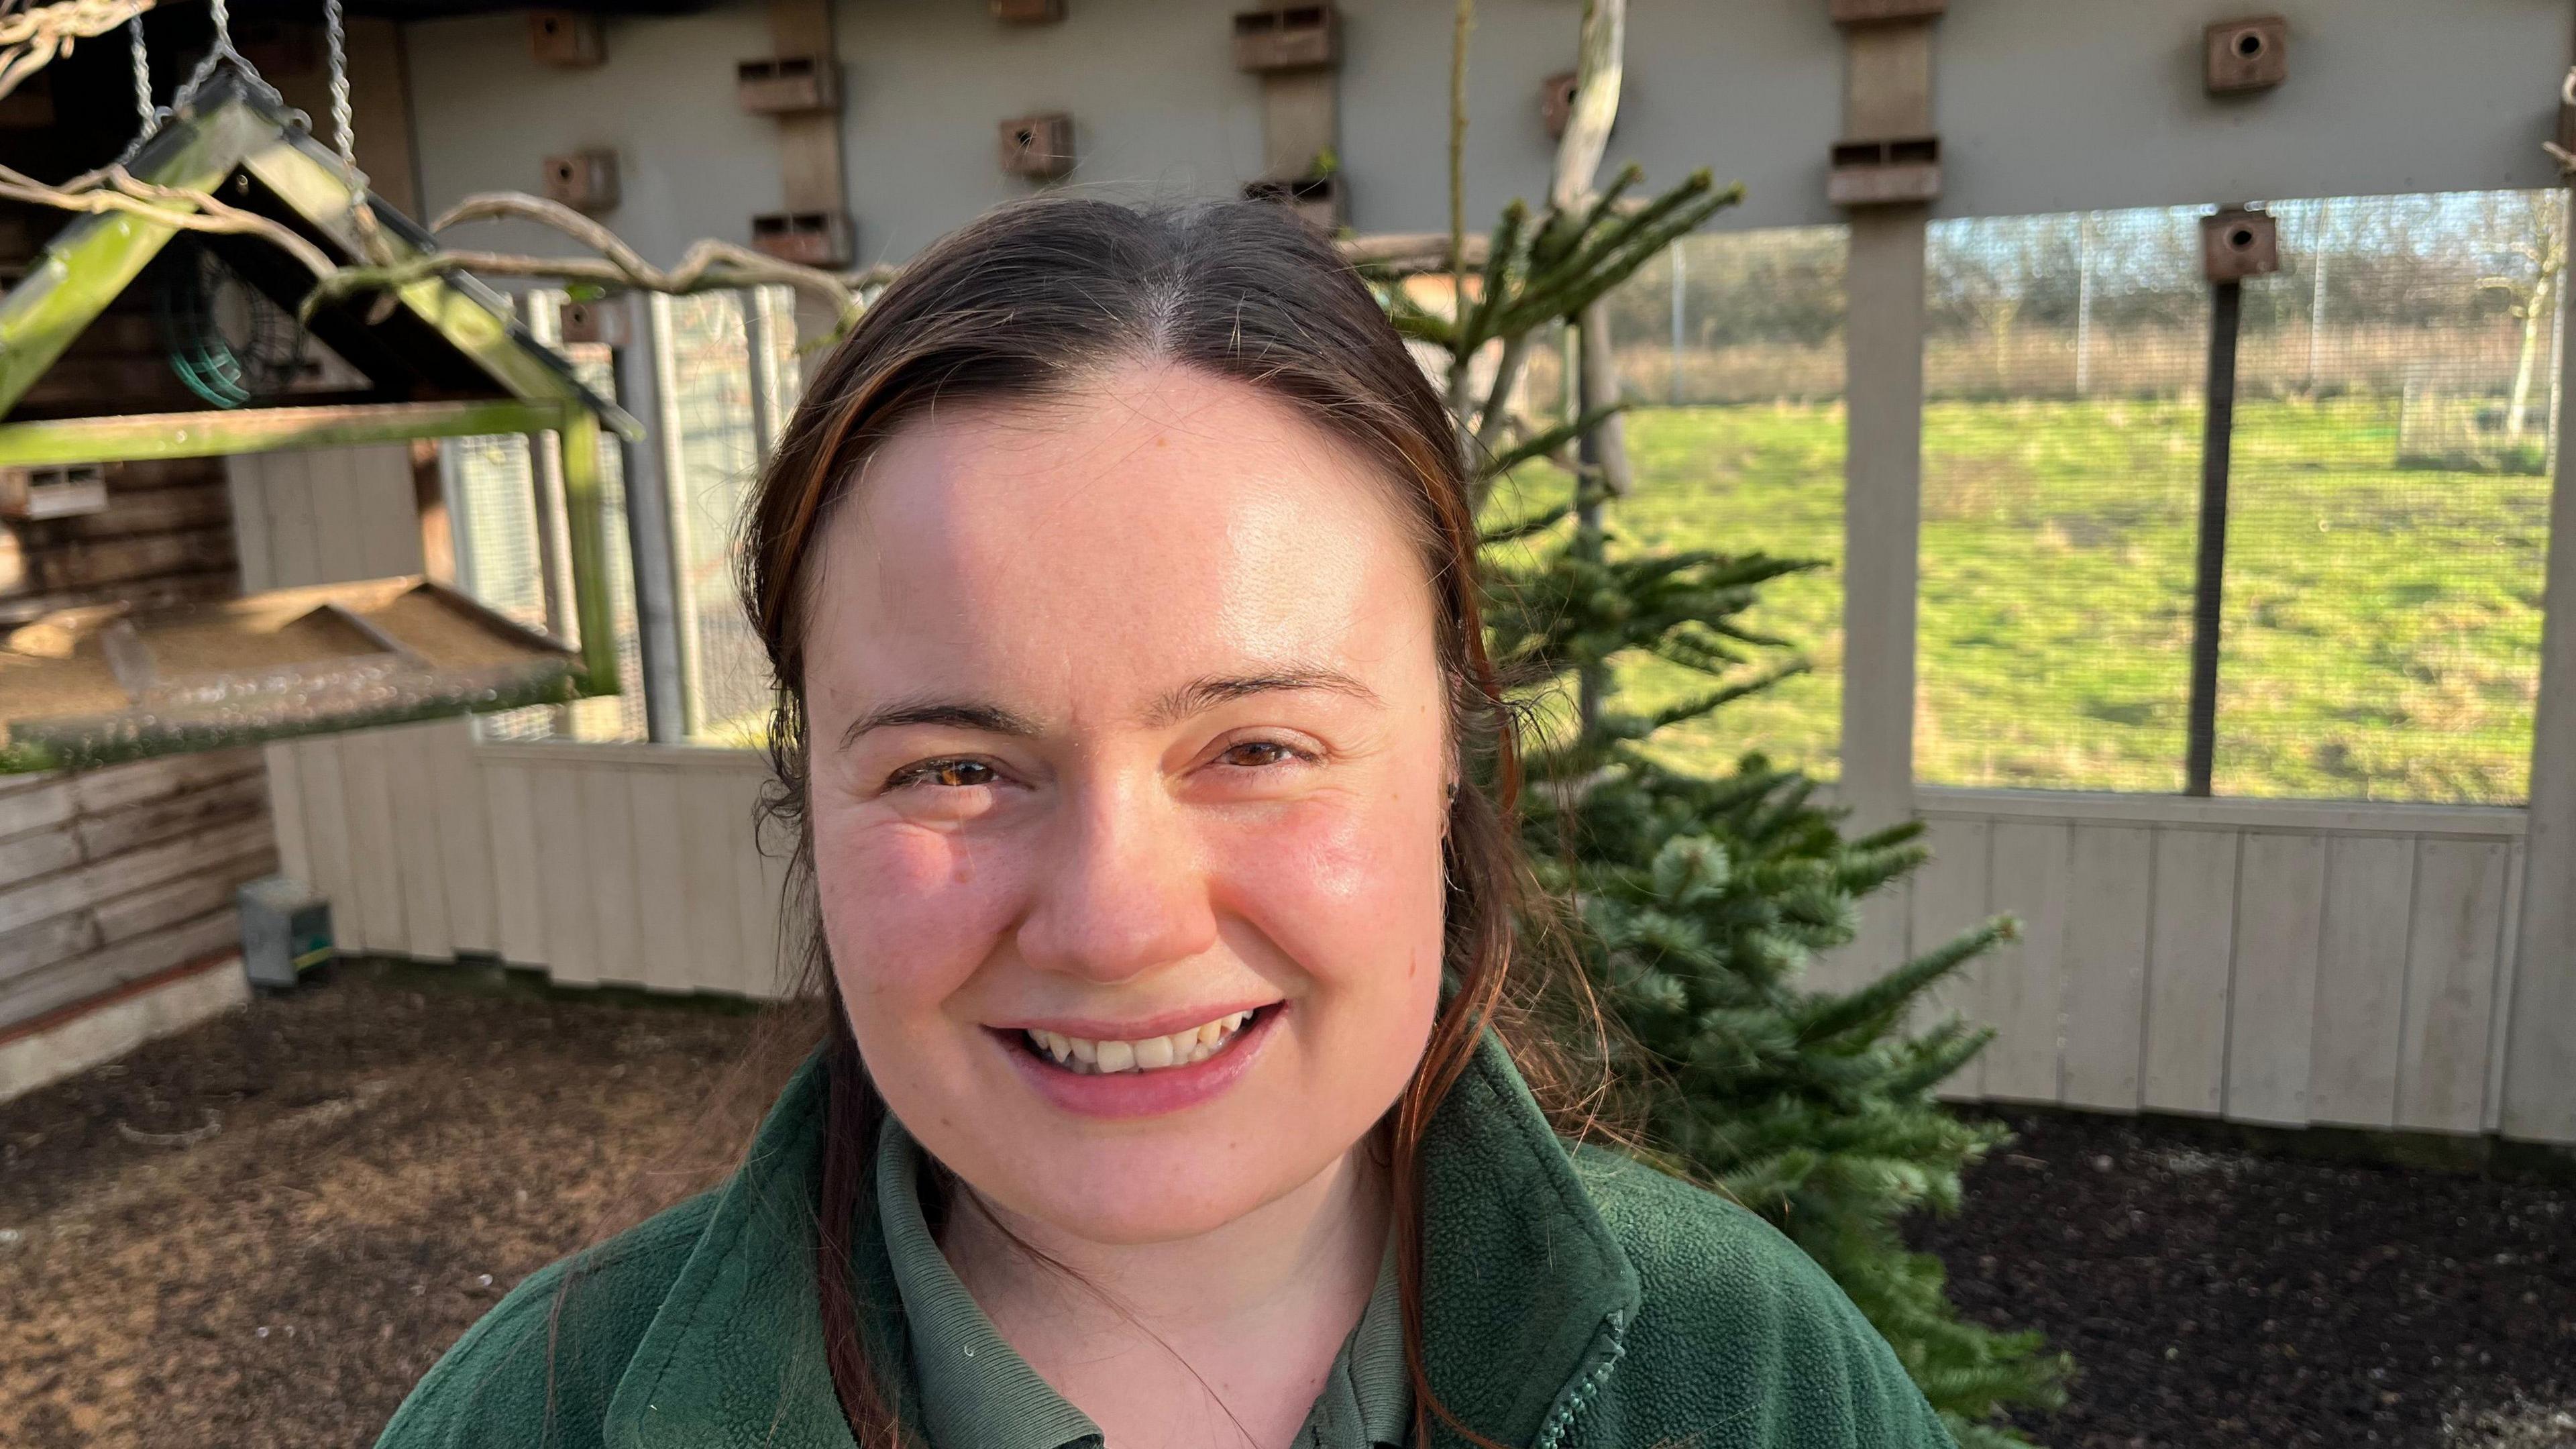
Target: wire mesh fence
[[719, 452], [1739, 336], [2063, 363], [501, 545], [722, 418], [497, 543], [2388, 500], [2397, 416]]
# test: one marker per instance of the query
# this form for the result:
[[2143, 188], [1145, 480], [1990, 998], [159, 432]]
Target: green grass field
[[2382, 624]]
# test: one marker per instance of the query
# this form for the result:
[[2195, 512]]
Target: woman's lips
[[1121, 1080]]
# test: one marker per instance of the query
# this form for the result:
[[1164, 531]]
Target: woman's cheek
[[911, 911], [1337, 879]]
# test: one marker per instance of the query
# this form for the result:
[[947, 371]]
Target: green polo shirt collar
[[978, 1393]]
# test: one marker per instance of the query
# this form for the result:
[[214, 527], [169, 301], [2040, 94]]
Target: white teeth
[[1145, 1054]]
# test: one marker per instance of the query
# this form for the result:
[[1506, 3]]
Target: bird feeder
[[437, 357]]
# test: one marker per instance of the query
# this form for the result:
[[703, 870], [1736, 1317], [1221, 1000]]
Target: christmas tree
[[1697, 903]]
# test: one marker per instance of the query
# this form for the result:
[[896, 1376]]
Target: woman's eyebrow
[[1200, 695], [1173, 706], [957, 714]]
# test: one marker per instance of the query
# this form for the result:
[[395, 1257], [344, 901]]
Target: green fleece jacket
[[1572, 1299]]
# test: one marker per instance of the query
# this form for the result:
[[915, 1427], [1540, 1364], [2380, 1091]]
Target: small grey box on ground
[[285, 930]]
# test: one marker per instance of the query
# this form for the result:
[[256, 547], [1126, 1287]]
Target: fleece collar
[[1524, 1294]]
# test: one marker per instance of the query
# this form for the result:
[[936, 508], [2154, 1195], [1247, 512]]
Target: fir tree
[[1698, 902]]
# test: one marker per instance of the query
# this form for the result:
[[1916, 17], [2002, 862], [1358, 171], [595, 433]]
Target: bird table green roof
[[437, 357]]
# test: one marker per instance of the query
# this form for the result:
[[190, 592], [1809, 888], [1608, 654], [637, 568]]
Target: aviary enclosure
[[2194, 516]]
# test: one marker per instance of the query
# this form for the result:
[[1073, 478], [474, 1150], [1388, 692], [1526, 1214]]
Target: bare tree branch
[[707, 265], [112, 188], [34, 38]]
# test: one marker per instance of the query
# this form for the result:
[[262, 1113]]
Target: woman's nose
[[1123, 888]]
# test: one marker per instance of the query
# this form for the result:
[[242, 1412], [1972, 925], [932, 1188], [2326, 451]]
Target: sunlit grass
[[2382, 624]]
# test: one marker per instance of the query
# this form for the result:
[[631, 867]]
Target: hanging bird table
[[436, 358]]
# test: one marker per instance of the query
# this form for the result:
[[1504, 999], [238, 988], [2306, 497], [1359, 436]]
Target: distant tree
[[2527, 231]]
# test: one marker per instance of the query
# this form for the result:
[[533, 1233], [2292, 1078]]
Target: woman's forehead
[[1157, 522]]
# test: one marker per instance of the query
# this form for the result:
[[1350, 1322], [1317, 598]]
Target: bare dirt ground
[[389, 1153], [388, 1161]]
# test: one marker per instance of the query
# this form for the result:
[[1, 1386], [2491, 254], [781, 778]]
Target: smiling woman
[[1185, 1080]]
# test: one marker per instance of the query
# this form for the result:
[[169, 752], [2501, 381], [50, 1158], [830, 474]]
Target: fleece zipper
[[1608, 1343]]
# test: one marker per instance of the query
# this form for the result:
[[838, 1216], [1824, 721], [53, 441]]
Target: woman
[[1120, 586]]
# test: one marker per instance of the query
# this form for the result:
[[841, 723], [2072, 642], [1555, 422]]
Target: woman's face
[[1128, 783]]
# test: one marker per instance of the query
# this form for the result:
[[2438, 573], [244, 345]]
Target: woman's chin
[[1133, 1199]]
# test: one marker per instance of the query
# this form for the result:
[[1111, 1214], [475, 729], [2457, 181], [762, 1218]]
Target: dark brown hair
[[1024, 304]]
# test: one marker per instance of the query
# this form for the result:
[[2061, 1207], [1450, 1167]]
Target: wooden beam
[[587, 529], [1887, 90], [2540, 1051], [263, 430]]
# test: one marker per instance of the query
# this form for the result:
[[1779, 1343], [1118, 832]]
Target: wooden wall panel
[[564, 845], [518, 889], [717, 807], [607, 824], [663, 889], [2452, 954], [2272, 1008], [2361, 979], [2110, 892], [1950, 893], [2500, 1044], [408, 757], [465, 840], [2025, 993], [324, 791], [2193, 934], [286, 814], [375, 853], [284, 483]]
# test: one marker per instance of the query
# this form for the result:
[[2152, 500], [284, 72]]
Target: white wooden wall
[[621, 864], [2286, 963]]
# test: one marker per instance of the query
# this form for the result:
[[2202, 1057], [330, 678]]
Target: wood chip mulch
[[2220, 1289]]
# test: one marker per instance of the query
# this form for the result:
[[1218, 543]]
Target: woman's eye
[[1253, 754], [952, 774]]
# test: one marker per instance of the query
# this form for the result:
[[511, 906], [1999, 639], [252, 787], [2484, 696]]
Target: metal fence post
[[2218, 429], [760, 348], [642, 384]]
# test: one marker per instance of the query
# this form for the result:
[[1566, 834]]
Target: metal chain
[[143, 114], [343, 132], [218, 54]]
